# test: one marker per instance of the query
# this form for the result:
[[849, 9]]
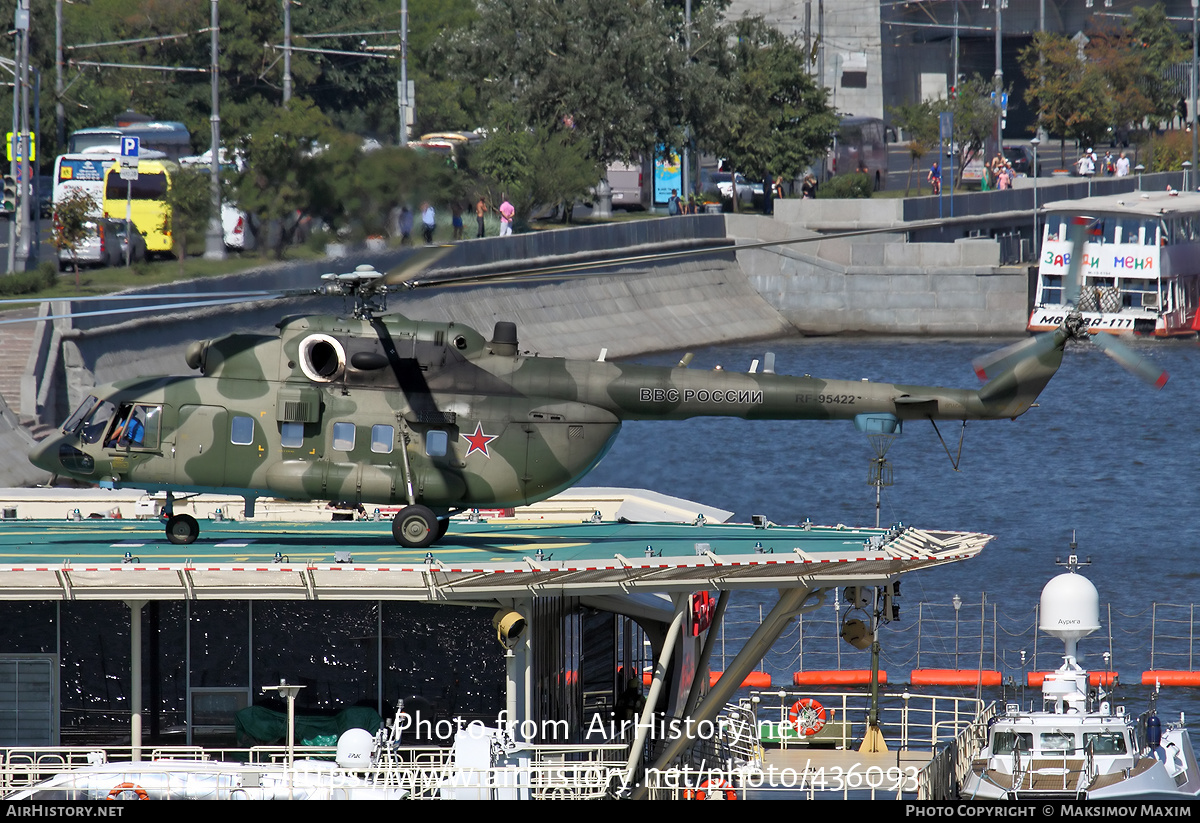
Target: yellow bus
[[147, 199]]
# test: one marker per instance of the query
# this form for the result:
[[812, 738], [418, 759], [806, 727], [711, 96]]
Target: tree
[[920, 122], [289, 167], [777, 119], [72, 216], [534, 169], [596, 68], [388, 178], [1161, 48], [974, 120], [189, 206]]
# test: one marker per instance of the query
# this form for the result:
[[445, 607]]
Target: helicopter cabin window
[[291, 435], [79, 414], [241, 431], [97, 422], [343, 436], [436, 443], [137, 427], [382, 438]]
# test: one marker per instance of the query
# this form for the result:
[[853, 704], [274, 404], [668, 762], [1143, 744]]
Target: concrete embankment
[[879, 284]]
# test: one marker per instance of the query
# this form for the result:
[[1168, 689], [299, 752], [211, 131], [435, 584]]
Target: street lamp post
[[214, 240], [957, 601], [1195, 83], [998, 79], [1035, 142]]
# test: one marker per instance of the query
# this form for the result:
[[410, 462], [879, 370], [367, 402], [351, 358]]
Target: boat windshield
[[1002, 742], [1056, 743], [1105, 742]]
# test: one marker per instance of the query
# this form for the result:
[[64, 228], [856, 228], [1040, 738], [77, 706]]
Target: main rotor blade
[[229, 301], [999, 361], [95, 298], [1140, 367], [1077, 234], [417, 262]]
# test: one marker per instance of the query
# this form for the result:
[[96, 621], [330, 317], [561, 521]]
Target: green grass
[[98, 281]]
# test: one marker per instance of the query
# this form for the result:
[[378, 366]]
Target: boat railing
[[970, 738], [907, 720], [542, 771]]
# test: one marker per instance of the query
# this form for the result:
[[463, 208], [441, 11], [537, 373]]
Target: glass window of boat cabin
[[1002, 742], [1138, 231]]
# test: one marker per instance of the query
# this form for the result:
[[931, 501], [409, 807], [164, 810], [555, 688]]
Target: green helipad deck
[[120, 559]]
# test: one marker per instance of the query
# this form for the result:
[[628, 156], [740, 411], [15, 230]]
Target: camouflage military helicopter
[[437, 418]]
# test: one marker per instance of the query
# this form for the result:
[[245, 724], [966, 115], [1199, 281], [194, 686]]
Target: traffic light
[[954, 92], [10, 194]]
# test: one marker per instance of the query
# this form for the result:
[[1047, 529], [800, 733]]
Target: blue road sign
[[130, 146]]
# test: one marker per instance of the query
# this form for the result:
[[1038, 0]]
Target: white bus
[[82, 172]]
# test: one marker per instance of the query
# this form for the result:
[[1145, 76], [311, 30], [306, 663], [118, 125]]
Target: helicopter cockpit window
[[137, 427], [291, 435], [382, 438], [436, 442], [79, 414], [241, 432], [97, 423], [343, 436]]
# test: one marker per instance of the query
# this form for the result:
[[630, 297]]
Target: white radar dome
[[354, 749], [1070, 607]]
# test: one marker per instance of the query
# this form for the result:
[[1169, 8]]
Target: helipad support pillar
[[518, 677], [791, 602], [135, 677], [646, 720]]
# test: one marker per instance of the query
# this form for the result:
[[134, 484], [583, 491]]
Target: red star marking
[[479, 441]]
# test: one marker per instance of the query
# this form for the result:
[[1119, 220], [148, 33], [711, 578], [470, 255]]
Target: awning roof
[[475, 562]]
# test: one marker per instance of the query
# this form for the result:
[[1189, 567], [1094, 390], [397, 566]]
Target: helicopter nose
[[57, 455], [44, 455]]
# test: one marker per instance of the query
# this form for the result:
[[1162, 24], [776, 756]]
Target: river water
[[1103, 457]]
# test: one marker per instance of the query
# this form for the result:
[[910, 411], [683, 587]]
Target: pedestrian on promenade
[[456, 220], [406, 226], [506, 217], [480, 210], [428, 222], [673, 205]]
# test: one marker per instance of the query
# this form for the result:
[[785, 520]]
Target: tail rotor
[[1074, 327]]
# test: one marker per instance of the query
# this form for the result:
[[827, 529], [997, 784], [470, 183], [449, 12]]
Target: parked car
[[1021, 158], [720, 180], [105, 245]]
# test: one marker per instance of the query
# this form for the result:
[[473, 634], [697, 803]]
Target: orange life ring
[[120, 789], [713, 789], [807, 716]]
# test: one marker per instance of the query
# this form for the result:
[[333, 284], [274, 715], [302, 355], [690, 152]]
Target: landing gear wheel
[[182, 529], [443, 525], [415, 527]]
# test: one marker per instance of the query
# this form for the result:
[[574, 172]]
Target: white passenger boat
[[1141, 264], [1080, 745]]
